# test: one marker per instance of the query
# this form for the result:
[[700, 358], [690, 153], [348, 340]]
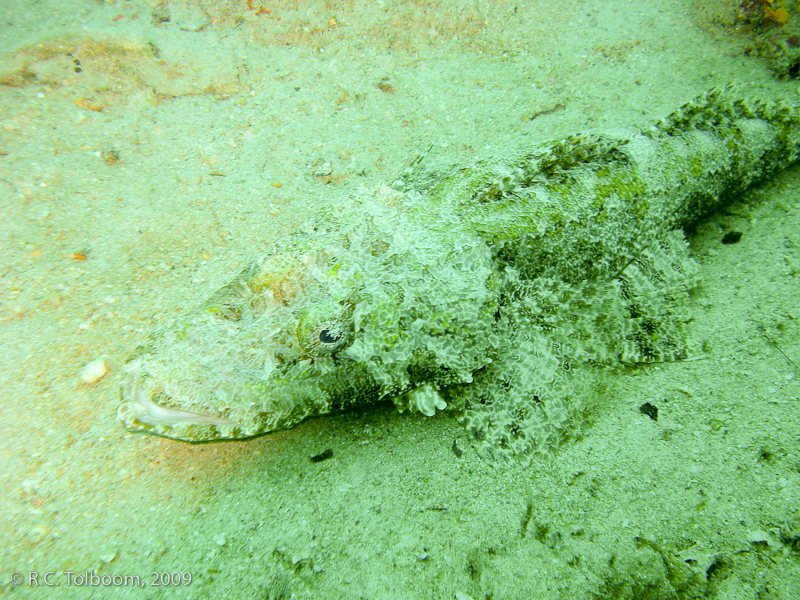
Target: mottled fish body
[[504, 290]]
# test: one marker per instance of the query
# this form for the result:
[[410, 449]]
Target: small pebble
[[94, 371]]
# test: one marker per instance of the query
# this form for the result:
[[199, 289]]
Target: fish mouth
[[139, 411]]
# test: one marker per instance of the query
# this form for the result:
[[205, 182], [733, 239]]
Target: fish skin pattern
[[506, 290]]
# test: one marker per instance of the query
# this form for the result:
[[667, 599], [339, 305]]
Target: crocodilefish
[[505, 290]]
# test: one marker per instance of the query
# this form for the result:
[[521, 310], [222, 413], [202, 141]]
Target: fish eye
[[325, 328], [326, 337]]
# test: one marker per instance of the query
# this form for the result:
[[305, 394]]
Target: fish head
[[326, 323]]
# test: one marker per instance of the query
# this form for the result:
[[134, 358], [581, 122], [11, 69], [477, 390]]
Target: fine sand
[[148, 151]]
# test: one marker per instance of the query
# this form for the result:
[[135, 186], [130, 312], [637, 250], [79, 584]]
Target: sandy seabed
[[149, 150]]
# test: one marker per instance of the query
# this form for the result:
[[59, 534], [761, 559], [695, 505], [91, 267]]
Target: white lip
[[155, 413]]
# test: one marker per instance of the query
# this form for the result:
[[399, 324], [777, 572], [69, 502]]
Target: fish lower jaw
[[156, 413], [142, 409]]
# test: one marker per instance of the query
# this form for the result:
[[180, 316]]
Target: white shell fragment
[[94, 371]]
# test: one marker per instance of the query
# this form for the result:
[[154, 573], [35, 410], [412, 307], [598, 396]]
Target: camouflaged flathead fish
[[503, 290]]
